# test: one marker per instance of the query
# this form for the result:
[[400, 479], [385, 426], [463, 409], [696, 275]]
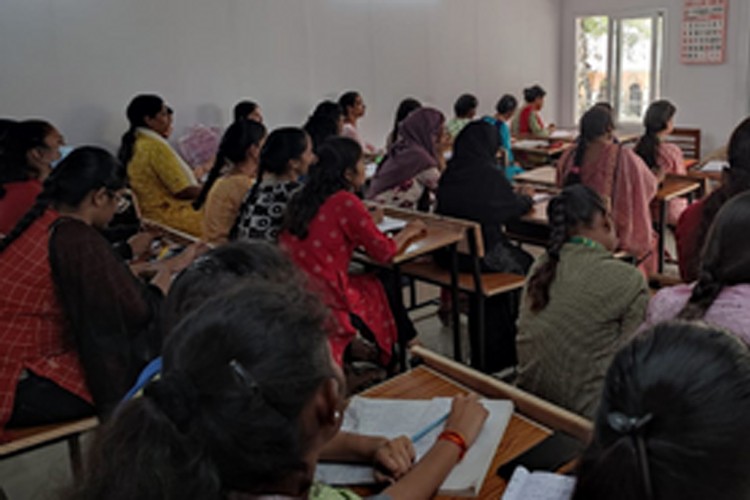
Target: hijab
[[412, 153]]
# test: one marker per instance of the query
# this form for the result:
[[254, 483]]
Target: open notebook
[[397, 417], [538, 485]]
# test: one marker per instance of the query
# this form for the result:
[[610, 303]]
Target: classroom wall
[[712, 97], [78, 62]]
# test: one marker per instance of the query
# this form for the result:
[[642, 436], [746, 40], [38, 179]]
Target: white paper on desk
[[563, 134], [525, 485], [389, 224], [714, 166], [540, 197], [530, 144], [370, 170], [393, 417]]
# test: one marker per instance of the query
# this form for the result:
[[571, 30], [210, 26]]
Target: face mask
[[64, 151]]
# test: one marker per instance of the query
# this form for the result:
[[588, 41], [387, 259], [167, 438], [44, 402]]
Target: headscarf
[[412, 153], [475, 149]]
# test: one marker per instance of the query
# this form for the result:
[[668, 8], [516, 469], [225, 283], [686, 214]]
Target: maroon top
[[688, 246], [18, 199]]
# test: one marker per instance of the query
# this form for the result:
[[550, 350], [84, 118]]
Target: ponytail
[[705, 292], [655, 121], [140, 107], [595, 123], [127, 145], [576, 205], [647, 148], [36, 211]]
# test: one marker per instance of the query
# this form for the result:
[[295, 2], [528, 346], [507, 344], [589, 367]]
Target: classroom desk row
[[533, 420]]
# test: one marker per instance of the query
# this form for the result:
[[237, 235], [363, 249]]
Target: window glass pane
[[592, 59], [635, 66]]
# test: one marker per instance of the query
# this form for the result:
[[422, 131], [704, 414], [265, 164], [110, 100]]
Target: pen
[[419, 435]]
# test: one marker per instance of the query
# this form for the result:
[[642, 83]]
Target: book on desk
[[392, 418]]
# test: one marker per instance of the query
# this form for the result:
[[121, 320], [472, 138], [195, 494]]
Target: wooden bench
[[20, 441], [479, 286]]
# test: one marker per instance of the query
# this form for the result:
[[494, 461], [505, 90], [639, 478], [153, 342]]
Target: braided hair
[[141, 107], [656, 120], [725, 260], [575, 206], [336, 156], [595, 123], [232, 150], [84, 170]]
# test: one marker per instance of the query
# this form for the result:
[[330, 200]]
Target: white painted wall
[[78, 62], [712, 97]]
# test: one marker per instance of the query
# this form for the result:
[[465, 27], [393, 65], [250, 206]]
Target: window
[[618, 60]]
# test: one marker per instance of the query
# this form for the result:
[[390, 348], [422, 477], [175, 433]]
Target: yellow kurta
[[223, 205], [156, 174]]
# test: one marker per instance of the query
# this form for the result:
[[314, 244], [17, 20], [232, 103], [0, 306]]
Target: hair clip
[[624, 424], [243, 374]]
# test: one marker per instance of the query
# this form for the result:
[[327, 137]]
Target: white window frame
[[615, 50]]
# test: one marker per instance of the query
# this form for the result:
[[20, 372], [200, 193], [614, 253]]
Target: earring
[[337, 415]]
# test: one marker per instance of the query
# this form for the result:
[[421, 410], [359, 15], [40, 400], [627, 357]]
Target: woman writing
[[324, 224], [163, 183], [231, 176], [76, 325]]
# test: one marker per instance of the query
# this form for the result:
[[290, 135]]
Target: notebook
[[714, 166], [390, 224], [397, 417], [539, 485]]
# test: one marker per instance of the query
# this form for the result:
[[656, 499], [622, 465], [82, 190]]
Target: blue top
[[502, 127]]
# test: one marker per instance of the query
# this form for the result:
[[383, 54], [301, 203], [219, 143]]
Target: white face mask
[[64, 151]]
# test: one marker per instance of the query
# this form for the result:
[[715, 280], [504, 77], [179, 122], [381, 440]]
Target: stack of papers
[[391, 224], [392, 418], [530, 144]]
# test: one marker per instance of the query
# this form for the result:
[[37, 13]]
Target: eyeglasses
[[122, 201]]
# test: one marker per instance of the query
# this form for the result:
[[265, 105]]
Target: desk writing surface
[[425, 383], [674, 187], [544, 176], [538, 214]]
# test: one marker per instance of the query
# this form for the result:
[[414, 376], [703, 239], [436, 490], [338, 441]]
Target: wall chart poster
[[704, 31]]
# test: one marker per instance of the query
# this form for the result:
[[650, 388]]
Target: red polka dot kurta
[[341, 225]]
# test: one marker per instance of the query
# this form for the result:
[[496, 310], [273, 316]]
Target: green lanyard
[[587, 242]]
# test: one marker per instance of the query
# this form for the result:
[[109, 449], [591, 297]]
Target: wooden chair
[[20, 441], [689, 141], [479, 286]]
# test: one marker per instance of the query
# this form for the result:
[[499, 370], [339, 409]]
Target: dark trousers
[[39, 401]]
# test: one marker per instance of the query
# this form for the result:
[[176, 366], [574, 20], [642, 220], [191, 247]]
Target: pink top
[[670, 160], [728, 311], [350, 131]]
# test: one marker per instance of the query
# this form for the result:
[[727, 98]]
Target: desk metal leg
[[401, 342], [662, 231], [456, 325]]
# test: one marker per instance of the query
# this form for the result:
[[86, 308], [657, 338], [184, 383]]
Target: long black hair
[[725, 258], [531, 94], [19, 139], [656, 120], [336, 156], [347, 100], [141, 107], [595, 123], [672, 422], [224, 417], [736, 180], [282, 146], [324, 122], [232, 150], [242, 109], [405, 108], [575, 206], [84, 170], [506, 104]]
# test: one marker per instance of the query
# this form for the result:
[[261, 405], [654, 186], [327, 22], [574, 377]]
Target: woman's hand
[[377, 214], [393, 459], [185, 258], [414, 229], [467, 417], [140, 243], [525, 189]]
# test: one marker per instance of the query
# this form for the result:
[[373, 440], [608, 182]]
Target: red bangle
[[457, 439]]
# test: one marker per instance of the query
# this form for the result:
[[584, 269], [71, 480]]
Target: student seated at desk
[[504, 111], [247, 110], [325, 222], [405, 108], [326, 121], [29, 149], [663, 158], [619, 176], [163, 183], [230, 178], [249, 396], [529, 122], [76, 325], [579, 306], [409, 173], [353, 106], [692, 228], [464, 109], [473, 188], [672, 424], [722, 293], [285, 156]]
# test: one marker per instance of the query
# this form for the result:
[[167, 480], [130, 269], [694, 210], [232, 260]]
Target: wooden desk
[[541, 176], [173, 235], [672, 187], [533, 420]]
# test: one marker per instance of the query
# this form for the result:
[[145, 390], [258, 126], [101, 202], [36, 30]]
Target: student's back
[[593, 303]]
